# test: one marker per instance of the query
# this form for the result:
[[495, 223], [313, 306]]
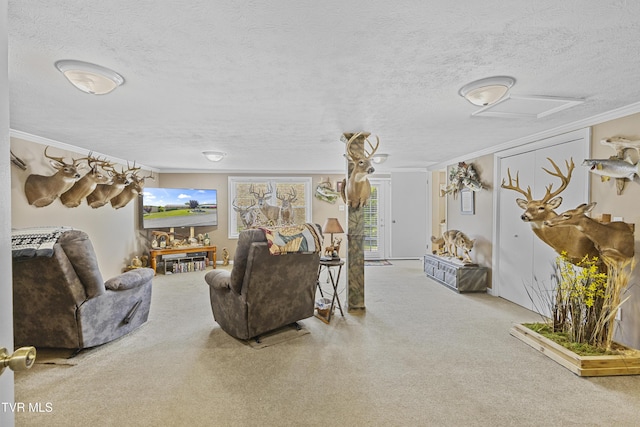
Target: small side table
[[335, 279]]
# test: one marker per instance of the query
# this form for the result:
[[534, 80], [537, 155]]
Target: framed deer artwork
[[262, 201]]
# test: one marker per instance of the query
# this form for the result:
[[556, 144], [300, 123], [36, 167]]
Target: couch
[[263, 291], [61, 300]]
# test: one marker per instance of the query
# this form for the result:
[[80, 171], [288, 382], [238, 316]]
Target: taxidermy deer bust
[[357, 187]]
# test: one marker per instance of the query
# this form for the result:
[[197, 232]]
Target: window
[[269, 201]]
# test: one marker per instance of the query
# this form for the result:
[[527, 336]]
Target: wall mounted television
[[179, 207]]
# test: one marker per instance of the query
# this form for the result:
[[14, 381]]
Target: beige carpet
[[420, 355]]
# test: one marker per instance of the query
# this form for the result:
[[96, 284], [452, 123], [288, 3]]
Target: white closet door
[[525, 261], [515, 248]]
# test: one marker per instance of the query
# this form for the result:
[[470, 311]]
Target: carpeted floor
[[420, 355], [377, 262]]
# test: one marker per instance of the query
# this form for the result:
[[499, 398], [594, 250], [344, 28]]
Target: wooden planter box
[[584, 366]]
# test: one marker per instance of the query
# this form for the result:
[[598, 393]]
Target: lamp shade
[[332, 225], [89, 78]]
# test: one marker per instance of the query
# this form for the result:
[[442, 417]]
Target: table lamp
[[331, 226]]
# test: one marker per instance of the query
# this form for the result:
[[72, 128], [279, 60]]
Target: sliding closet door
[[515, 249], [525, 261]]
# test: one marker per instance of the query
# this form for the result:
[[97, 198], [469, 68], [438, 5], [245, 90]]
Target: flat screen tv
[[179, 207]]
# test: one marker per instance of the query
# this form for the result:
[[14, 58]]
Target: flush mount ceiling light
[[379, 158], [487, 91], [89, 78], [214, 156]]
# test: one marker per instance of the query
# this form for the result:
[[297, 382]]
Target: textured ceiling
[[275, 84]]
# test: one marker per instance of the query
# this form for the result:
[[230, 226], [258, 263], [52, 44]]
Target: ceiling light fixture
[[89, 78], [214, 156], [487, 91], [379, 158]]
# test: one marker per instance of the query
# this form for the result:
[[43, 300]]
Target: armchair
[[264, 292], [61, 300]]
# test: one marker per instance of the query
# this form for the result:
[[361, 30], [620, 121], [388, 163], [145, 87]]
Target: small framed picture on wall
[[467, 202]]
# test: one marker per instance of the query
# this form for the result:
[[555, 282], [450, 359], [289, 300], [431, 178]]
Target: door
[[526, 262], [409, 214], [6, 310], [374, 222], [515, 250]]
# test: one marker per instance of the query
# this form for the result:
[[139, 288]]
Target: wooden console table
[[211, 251]]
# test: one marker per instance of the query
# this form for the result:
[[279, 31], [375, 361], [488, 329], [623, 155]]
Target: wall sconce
[[379, 158], [89, 78], [214, 156], [487, 91]]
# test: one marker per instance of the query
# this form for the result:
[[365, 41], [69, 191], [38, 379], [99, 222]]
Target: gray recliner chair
[[62, 301], [263, 292]]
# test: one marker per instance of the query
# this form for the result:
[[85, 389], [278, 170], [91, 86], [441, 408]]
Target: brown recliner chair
[[263, 292], [60, 299]]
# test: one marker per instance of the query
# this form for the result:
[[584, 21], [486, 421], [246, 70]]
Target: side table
[[335, 279]]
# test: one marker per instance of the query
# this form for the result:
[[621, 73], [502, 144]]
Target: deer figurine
[[43, 190], [105, 192], [614, 240], [357, 189], [248, 214], [286, 210], [131, 190], [567, 239], [271, 212], [85, 185]]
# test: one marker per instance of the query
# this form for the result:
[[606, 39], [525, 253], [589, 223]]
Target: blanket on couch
[[35, 241], [293, 239]]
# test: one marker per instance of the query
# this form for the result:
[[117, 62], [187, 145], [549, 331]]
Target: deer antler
[[350, 154], [564, 178], [374, 149], [517, 188]]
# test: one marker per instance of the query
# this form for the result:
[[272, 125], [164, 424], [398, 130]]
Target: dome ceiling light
[[487, 91], [89, 78], [214, 156]]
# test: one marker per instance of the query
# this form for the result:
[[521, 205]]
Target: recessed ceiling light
[[487, 91], [214, 156], [89, 78]]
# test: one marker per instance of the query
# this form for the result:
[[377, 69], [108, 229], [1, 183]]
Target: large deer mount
[[85, 185], [565, 239], [614, 241], [356, 189], [42, 190]]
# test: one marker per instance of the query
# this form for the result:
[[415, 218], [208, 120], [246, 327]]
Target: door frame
[[384, 213], [6, 285], [580, 134]]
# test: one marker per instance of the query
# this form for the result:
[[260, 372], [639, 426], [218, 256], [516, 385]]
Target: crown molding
[[68, 147], [570, 127]]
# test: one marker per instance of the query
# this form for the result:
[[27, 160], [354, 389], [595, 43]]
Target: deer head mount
[[615, 241], [43, 190], [570, 240], [85, 185], [103, 193], [131, 190], [357, 189]]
